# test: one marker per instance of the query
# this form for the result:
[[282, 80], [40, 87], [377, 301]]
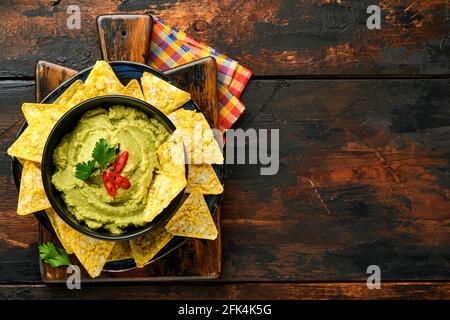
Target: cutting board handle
[[125, 37]]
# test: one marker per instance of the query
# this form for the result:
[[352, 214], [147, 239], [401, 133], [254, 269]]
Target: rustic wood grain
[[48, 76], [125, 37], [17, 236], [282, 37], [253, 291], [364, 163], [363, 180]]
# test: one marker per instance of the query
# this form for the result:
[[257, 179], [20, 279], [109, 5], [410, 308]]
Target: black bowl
[[66, 124]]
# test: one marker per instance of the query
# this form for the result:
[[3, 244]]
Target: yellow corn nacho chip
[[161, 94], [120, 251], [78, 97], [52, 217], [144, 248], [101, 81], [182, 118], [134, 89], [92, 253], [30, 144], [32, 197], [65, 97], [38, 112], [198, 137], [164, 188], [193, 219], [41, 118], [204, 178], [171, 156]]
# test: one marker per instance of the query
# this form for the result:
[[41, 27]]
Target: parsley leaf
[[85, 169], [56, 257], [103, 153]]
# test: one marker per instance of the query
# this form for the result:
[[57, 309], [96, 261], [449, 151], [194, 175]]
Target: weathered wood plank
[[125, 37], [363, 179], [48, 77], [18, 237], [257, 291], [189, 76], [279, 37]]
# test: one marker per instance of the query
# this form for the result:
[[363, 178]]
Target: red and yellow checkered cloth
[[171, 47]]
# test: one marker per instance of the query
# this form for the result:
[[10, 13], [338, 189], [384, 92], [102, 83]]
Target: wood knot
[[200, 25]]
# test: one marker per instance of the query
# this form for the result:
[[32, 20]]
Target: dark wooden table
[[364, 120]]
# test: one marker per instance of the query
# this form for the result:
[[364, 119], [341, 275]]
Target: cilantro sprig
[[84, 169], [56, 257], [102, 155]]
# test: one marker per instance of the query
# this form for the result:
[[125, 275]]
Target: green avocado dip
[[124, 128]]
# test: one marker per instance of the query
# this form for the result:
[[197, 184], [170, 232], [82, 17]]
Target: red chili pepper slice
[[122, 182], [112, 176], [109, 184], [111, 188], [119, 180], [121, 162], [105, 177]]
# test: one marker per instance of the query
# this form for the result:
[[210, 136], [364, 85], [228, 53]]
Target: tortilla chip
[[92, 253], [182, 118], [161, 94], [211, 151], [171, 156], [134, 89], [197, 136], [67, 95], [203, 178], [41, 118], [120, 251], [52, 217], [144, 248], [101, 81], [32, 197], [38, 112], [30, 144], [78, 97], [164, 188], [193, 219]]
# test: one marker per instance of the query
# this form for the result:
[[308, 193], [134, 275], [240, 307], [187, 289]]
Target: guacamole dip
[[124, 128]]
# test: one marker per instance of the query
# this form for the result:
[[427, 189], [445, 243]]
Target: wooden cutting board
[[127, 37]]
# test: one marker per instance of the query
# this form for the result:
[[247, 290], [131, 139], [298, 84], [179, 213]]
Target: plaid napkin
[[171, 47]]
